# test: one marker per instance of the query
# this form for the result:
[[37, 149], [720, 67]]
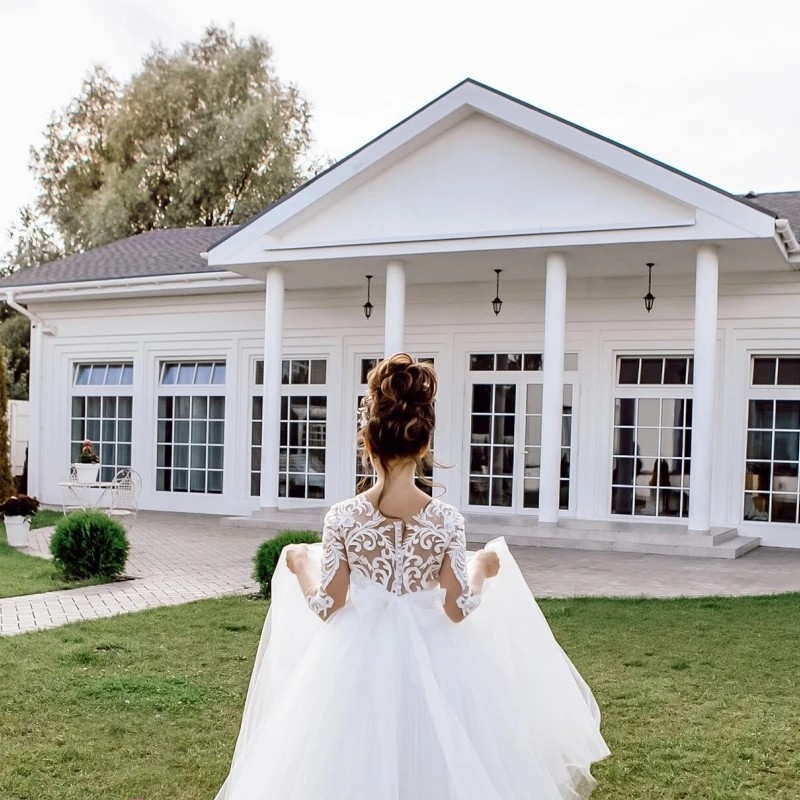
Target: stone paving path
[[177, 558]]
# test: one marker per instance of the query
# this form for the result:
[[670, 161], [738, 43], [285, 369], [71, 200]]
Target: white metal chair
[[69, 500], [125, 491]]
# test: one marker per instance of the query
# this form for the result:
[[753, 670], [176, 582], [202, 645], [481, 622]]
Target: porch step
[[523, 530], [622, 538]]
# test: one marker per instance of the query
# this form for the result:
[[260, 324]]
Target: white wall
[[18, 431], [605, 317]]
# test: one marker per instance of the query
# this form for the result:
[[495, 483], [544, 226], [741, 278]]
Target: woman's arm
[[331, 592], [462, 586]]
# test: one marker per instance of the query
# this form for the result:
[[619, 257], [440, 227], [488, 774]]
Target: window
[[365, 475], [652, 437], [102, 411], [516, 362], [773, 441], [191, 428], [304, 421]]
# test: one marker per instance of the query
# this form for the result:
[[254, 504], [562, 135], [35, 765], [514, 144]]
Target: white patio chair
[[69, 500], [125, 490]]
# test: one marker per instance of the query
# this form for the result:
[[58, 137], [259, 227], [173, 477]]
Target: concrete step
[[678, 546], [644, 537]]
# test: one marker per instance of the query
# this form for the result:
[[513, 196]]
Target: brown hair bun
[[397, 414]]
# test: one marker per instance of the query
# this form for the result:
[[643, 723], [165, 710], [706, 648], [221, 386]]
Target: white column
[[395, 308], [273, 359], [555, 317], [705, 373]]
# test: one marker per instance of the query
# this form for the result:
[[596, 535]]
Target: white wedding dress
[[388, 699]]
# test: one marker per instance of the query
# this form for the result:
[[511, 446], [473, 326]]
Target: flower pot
[[17, 530], [86, 473]]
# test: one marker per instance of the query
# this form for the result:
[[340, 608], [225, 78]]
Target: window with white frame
[[771, 491], [304, 428], [102, 412], [191, 427], [652, 436], [365, 475]]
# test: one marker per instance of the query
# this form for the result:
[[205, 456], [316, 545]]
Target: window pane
[[113, 375], [652, 369], [507, 362], [625, 412], [482, 398], [219, 375], [78, 406], [216, 408], [786, 445], [479, 491], [649, 412], [260, 373], [532, 362], [215, 482], [367, 364], [570, 362], [286, 371], [647, 441], [199, 408], [170, 374], [479, 460], [675, 371], [98, 376], [82, 375], [300, 372], [203, 374], [127, 375], [788, 371], [759, 445], [182, 407], [787, 414], [628, 371], [481, 362], [533, 400], [760, 414], [186, 374], [481, 428], [672, 413], [624, 442], [504, 430], [784, 508], [505, 398], [502, 492], [764, 371], [318, 372], [93, 405]]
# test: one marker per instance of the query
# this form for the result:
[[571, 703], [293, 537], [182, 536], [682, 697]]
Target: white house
[[573, 417]]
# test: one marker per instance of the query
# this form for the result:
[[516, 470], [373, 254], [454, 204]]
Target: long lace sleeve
[[332, 588], [456, 550]]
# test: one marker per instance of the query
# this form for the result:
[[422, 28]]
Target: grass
[[700, 699], [21, 573]]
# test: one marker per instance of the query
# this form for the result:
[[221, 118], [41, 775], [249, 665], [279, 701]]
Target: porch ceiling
[[595, 261]]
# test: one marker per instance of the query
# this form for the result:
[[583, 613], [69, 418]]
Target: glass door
[[505, 432]]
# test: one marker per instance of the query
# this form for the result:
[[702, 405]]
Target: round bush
[[89, 544], [268, 555]]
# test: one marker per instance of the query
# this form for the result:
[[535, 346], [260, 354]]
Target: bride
[[393, 664]]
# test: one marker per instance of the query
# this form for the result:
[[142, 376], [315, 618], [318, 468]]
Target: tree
[[15, 339], [7, 487], [206, 135]]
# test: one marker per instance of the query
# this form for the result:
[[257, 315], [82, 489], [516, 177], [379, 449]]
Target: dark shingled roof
[[164, 252], [785, 204]]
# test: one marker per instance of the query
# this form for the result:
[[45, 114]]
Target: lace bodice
[[400, 557]]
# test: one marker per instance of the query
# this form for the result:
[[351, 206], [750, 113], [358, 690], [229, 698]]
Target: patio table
[[88, 495]]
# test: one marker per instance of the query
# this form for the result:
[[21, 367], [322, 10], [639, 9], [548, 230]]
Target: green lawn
[[21, 573], [700, 699]]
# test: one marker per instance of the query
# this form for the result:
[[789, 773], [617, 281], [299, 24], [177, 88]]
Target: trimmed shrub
[[268, 555], [89, 544]]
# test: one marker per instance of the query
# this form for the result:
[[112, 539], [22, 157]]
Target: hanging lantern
[[649, 298], [368, 305], [497, 303]]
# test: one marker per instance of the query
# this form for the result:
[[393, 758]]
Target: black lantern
[[649, 298], [497, 303], [368, 306]]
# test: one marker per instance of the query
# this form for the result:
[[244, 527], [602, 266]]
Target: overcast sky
[[708, 86]]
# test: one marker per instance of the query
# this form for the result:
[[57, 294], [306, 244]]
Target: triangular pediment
[[483, 178], [476, 163]]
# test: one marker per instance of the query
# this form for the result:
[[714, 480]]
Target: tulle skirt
[[390, 700]]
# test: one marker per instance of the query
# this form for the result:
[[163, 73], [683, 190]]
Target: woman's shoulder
[[350, 509], [449, 516]]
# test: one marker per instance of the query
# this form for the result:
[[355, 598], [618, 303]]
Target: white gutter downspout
[[784, 230], [48, 330]]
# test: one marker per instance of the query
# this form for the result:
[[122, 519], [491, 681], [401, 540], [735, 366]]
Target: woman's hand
[[488, 562], [296, 557]]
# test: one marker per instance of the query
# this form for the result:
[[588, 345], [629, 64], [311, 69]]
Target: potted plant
[[18, 511], [87, 465]]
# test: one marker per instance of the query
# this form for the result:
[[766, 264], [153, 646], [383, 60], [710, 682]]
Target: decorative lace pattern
[[400, 557]]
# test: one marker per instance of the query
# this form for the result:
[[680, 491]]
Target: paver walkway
[[177, 558]]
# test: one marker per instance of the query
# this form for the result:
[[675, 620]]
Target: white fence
[[18, 430]]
